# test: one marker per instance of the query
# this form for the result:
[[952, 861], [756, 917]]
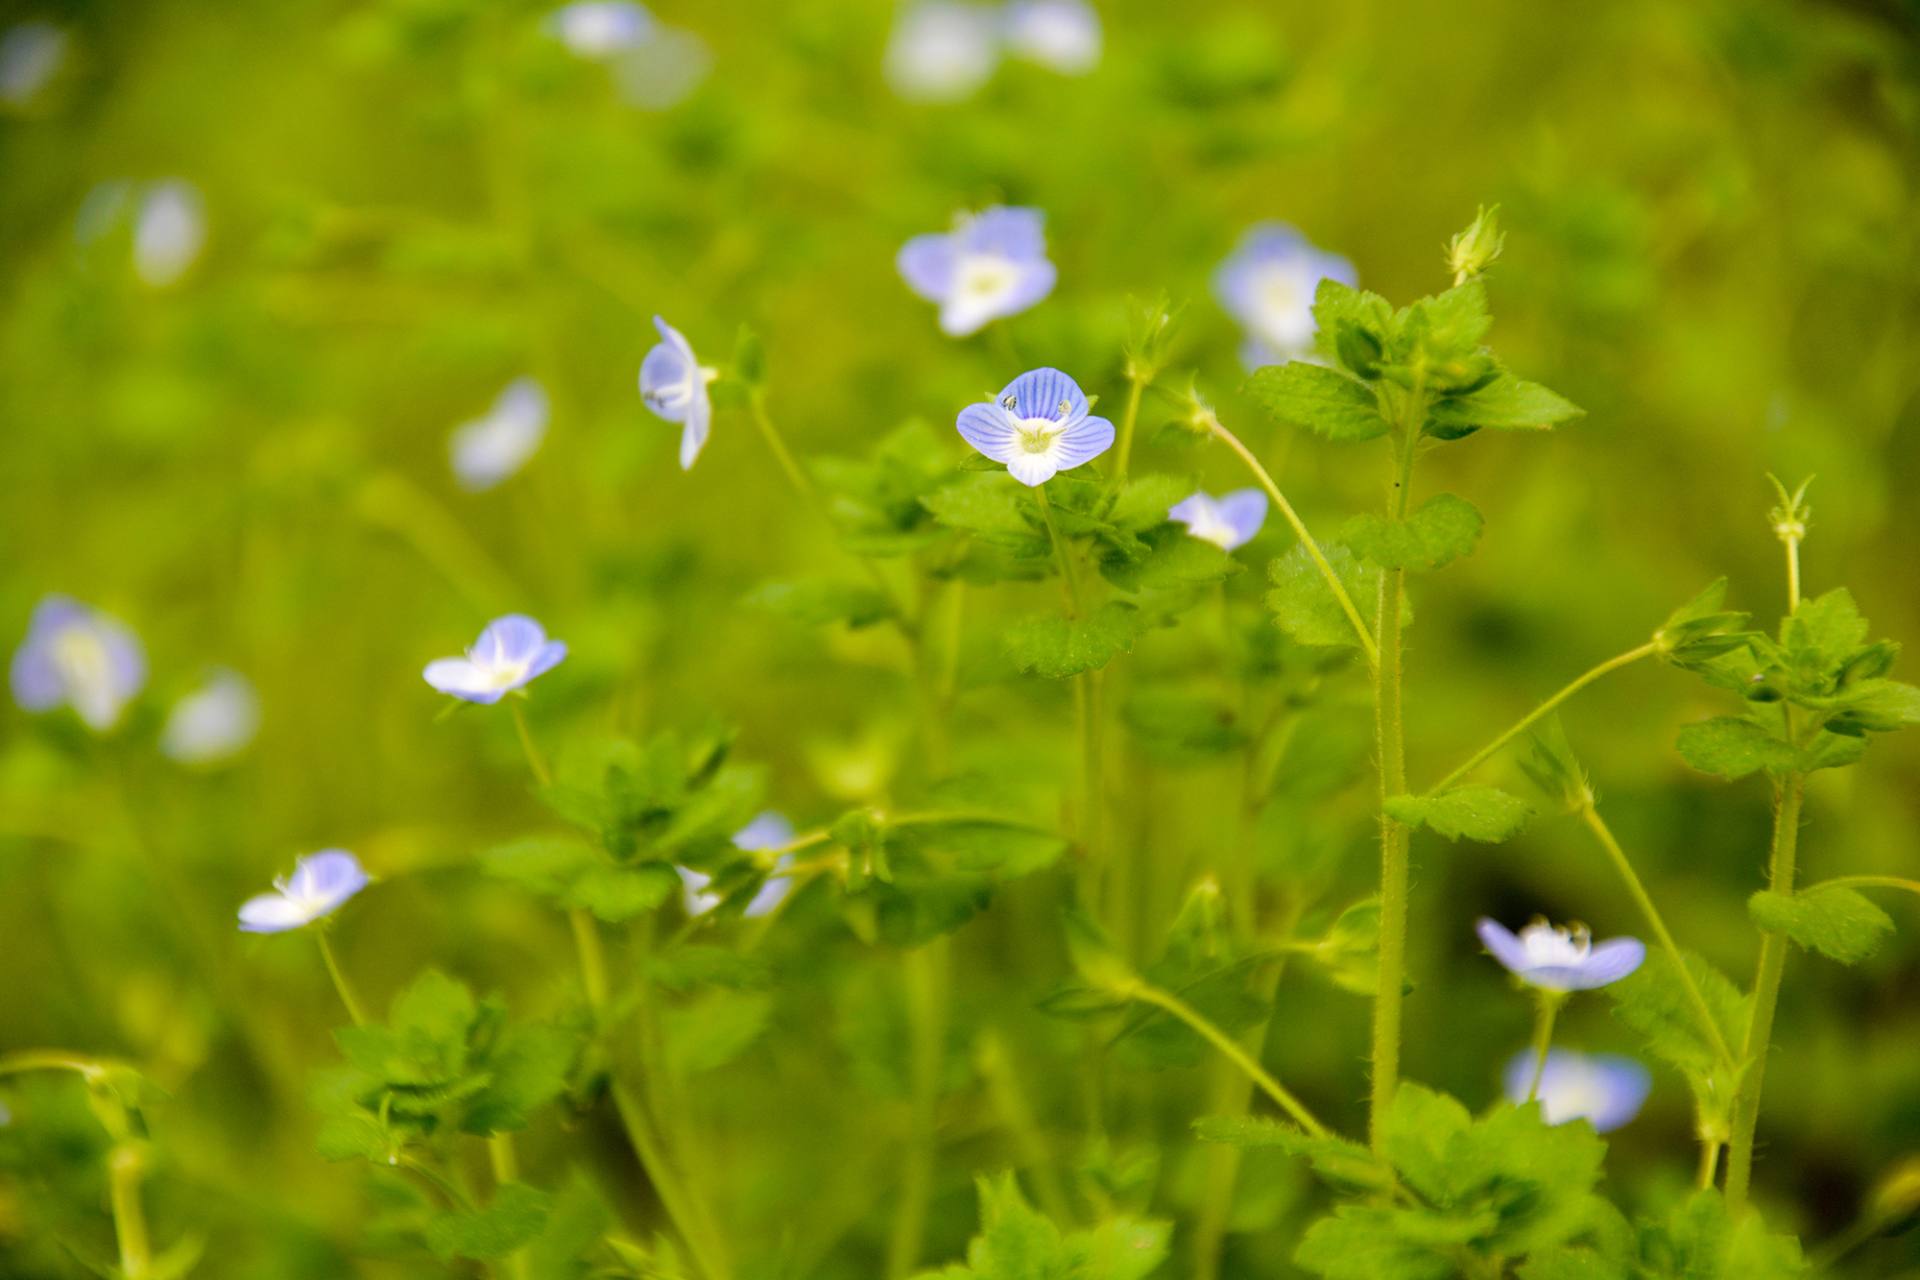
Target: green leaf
[[1144, 501], [990, 506], [1700, 1240], [1733, 748], [1118, 1249], [1349, 323], [1418, 1137], [1442, 530], [1341, 1163], [1506, 402], [1325, 401], [1304, 605], [714, 1029], [1094, 956], [1825, 628], [1835, 921], [1576, 1262], [572, 873], [1018, 1243], [819, 602], [526, 1070], [1360, 1242], [516, 1216], [1477, 812], [1174, 560], [1654, 1002], [1055, 648]]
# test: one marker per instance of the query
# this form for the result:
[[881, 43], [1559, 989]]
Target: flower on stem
[[509, 653], [78, 657], [769, 830], [1060, 35], [1604, 1089], [488, 450], [168, 232], [991, 265], [1560, 958], [214, 723], [1038, 425], [320, 883], [942, 51], [1268, 285], [674, 385], [601, 28], [1228, 521]]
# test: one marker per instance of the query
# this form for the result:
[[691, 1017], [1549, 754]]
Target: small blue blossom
[[1060, 35], [674, 385], [767, 831], [1228, 521], [991, 265], [1268, 285], [1561, 959], [169, 232], [488, 450], [78, 657], [942, 51], [1604, 1089], [214, 723], [662, 70], [601, 29], [508, 654], [320, 883], [31, 55], [1038, 425]]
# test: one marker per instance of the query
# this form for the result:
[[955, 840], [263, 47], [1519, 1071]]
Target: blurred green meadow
[[1713, 220]]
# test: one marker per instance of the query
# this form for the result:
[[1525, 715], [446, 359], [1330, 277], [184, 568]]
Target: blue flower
[[1604, 1089], [488, 450], [1561, 959], [662, 69], [1268, 285], [214, 723], [992, 264], [168, 233], [941, 51], [601, 28], [508, 654], [1039, 426], [78, 657], [1227, 522], [320, 883], [1060, 35], [767, 831], [674, 386], [30, 57]]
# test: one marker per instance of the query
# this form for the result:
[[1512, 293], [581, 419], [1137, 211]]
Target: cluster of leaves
[[1452, 1194], [642, 808], [1018, 1243]]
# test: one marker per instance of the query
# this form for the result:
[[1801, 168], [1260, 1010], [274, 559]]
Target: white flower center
[[1038, 434], [1548, 945], [1575, 1093], [1279, 294], [82, 658], [983, 276], [1209, 525]]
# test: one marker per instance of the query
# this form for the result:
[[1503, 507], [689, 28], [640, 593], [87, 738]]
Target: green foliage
[[1655, 1002], [1733, 748], [1506, 402], [516, 1215], [1836, 921], [1439, 531], [1018, 1243], [1055, 648], [570, 872], [1304, 605], [1477, 812], [818, 601], [1323, 400], [1702, 1240]]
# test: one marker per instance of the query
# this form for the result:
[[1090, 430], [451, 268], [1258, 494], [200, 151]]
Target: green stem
[[1766, 993], [1003, 1086], [1550, 1002], [506, 1168], [340, 982], [593, 959], [1527, 721], [535, 761], [1123, 452], [1360, 630], [802, 483], [1166, 1000], [1865, 882], [126, 1167], [1390, 738], [925, 975], [1638, 889], [1709, 1161]]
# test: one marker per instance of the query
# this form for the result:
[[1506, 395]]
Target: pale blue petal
[[926, 264], [667, 375], [523, 402], [1191, 510], [1624, 1084], [513, 637], [1606, 1090], [990, 429], [273, 913], [699, 423], [768, 830], [697, 899], [549, 657], [767, 899], [1043, 393], [1034, 283], [1610, 961], [1243, 511], [1009, 231], [1083, 441], [1499, 940], [462, 679], [332, 876]]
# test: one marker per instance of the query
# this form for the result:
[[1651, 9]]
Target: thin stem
[[535, 761], [1550, 1002], [1638, 889], [1069, 582], [506, 1168], [1003, 1086], [1226, 1044], [1793, 572], [1766, 992], [1390, 738], [1123, 452], [340, 982], [593, 959], [1709, 1161], [925, 977], [126, 1167], [802, 483], [1865, 882], [1360, 629], [1527, 721]]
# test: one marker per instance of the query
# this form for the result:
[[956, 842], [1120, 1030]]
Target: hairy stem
[[1227, 1045], [1550, 1002]]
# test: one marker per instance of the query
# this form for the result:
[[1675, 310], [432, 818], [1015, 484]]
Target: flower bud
[[1472, 251]]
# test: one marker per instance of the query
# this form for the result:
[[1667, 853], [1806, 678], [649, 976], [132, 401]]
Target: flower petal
[[1081, 442], [550, 656], [693, 438], [1611, 961], [462, 679], [331, 876], [1008, 230], [926, 264], [1033, 469], [768, 830], [1243, 511], [273, 913], [697, 899], [510, 638], [1499, 940], [667, 377], [1043, 393], [990, 429]]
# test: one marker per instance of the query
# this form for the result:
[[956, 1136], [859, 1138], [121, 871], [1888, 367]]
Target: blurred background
[[257, 263]]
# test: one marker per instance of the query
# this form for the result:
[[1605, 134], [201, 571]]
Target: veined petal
[[511, 638], [926, 264], [1243, 511], [1611, 961], [1500, 941], [1033, 469], [991, 430], [699, 424], [331, 876], [273, 913], [1082, 441], [1043, 393], [667, 381], [549, 656]]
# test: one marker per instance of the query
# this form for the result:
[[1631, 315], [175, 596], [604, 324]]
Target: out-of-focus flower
[[674, 385], [488, 450], [31, 55], [320, 883], [662, 70], [1038, 425], [1267, 284], [1061, 35], [942, 51], [168, 232], [1561, 959], [1604, 1089], [78, 657], [768, 830], [1227, 522], [509, 653], [992, 264], [214, 723], [601, 28]]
